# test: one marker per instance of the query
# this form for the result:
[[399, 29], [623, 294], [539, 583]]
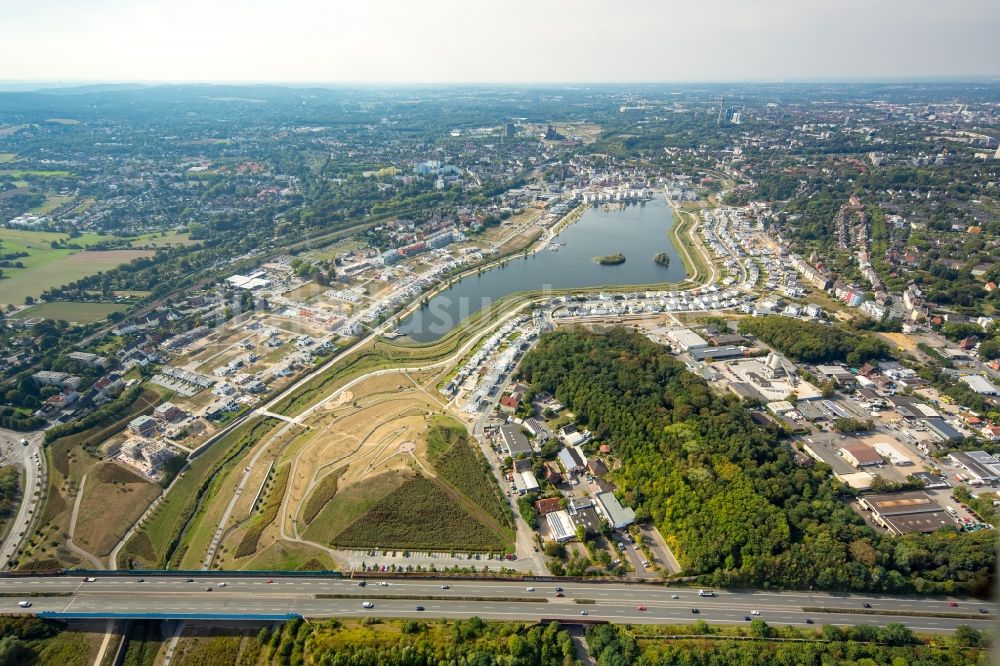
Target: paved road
[[611, 601], [31, 459]]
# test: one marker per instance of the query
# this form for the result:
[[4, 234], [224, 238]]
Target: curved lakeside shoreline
[[634, 228]]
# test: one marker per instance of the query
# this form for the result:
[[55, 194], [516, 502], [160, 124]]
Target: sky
[[426, 41]]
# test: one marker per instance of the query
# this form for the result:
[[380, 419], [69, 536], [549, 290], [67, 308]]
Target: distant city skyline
[[517, 41]]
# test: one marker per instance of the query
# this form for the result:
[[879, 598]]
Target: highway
[[494, 600], [32, 459]]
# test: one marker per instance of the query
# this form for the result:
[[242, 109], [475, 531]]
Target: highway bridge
[[233, 596]]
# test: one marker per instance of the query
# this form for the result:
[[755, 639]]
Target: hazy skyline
[[513, 41]]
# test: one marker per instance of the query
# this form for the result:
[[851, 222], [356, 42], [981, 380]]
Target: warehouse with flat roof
[[902, 513], [514, 440]]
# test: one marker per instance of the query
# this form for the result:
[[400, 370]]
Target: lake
[[639, 231]]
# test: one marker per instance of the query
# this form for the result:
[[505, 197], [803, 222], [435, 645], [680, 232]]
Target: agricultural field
[[7, 157], [46, 267], [70, 311]]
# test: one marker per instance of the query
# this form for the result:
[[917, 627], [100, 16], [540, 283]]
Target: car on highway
[[675, 596], [640, 607], [446, 587], [222, 584], [559, 589], [953, 604], [695, 611], [746, 618], [382, 583], [755, 612], [419, 608], [208, 589], [368, 604], [866, 605], [89, 579], [24, 604], [362, 583], [189, 580], [269, 581], [583, 612], [983, 610], [809, 621], [560, 594], [141, 580], [529, 589]]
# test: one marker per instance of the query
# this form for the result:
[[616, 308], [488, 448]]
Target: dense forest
[[726, 494], [811, 342], [415, 643], [891, 645]]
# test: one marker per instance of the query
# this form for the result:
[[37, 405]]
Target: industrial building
[[979, 467], [861, 455], [616, 514], [687, 339], [901, 513], [561, 526], [514, 440], [892, 453], [944, 430]]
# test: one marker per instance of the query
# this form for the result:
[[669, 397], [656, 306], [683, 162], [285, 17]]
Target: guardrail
[[241, 617], [192, 573]]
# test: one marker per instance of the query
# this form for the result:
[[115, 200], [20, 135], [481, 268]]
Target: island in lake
[[662, 258], [611, 259]]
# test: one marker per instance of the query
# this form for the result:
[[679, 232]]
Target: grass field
[[457, 463], [69, 458], [73, 312], [349, 505], [113, 499], [160, 539], [7, 157], [22, 173], [51, 203], [45, 267], [419, 515]]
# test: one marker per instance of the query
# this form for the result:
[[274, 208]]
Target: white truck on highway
[[706, 593]]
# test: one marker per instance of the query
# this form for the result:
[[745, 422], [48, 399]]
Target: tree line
[[726, 494]]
